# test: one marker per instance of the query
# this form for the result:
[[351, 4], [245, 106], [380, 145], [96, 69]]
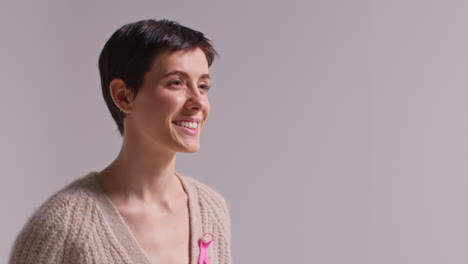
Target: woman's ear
[[121, 95]]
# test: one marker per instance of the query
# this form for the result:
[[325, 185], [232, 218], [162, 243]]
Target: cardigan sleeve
[[42, 238]]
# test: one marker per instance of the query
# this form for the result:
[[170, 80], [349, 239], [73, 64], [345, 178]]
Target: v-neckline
[[125, 236]]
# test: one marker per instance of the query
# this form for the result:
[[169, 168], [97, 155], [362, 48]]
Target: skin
[[141, 182]]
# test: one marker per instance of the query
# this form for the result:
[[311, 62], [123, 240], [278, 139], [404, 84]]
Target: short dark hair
[[131, 50]]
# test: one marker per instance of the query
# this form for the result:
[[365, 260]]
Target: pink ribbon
[[203, 246]]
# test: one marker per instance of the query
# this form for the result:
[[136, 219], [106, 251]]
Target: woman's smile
[[188, 127]]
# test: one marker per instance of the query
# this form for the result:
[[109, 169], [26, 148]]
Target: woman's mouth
[[186, 124], [190, 128]]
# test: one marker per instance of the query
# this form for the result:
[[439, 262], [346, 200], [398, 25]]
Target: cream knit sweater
[[79, 224]]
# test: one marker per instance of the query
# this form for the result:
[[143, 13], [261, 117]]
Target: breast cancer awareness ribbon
[[203, 259]]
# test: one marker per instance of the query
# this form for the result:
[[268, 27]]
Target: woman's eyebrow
[[185, 75], [205, 76]]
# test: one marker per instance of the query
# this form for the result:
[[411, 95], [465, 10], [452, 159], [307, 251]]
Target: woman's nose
[[195, 100], [194, 103]]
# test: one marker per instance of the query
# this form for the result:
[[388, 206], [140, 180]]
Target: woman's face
[[172, 105]]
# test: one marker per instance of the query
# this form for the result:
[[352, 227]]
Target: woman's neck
[[141, 174]]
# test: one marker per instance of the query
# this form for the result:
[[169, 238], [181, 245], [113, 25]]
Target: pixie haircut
[[131, 50]]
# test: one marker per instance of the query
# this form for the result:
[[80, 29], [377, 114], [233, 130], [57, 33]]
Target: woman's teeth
[[187, 124]]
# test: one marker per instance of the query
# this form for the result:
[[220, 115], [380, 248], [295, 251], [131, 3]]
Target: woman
[[155, 79]]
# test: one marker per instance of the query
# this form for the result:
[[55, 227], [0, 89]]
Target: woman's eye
[[176, 83], [205, 87]]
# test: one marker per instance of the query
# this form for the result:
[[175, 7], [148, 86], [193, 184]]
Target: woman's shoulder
[[209, 198], [54, 222], [66, 200], [204, 189]]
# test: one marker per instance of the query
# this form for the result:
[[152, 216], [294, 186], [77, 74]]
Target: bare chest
[[164, 237]]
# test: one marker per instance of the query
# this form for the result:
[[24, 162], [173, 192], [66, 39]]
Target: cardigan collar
[[122, 232]]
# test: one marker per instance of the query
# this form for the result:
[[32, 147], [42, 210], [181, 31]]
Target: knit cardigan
[[79, 224]]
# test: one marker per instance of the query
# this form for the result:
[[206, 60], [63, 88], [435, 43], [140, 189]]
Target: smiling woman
[[155, 79]]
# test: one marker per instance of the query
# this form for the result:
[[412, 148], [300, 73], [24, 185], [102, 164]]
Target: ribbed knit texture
[[79, 224]]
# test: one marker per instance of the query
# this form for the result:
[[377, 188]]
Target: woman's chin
[[189, 149]]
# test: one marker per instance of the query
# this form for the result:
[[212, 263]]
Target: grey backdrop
[[338, 131]]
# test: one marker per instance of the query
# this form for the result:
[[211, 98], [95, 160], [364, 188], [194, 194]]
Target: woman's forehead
[[190, 62]]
